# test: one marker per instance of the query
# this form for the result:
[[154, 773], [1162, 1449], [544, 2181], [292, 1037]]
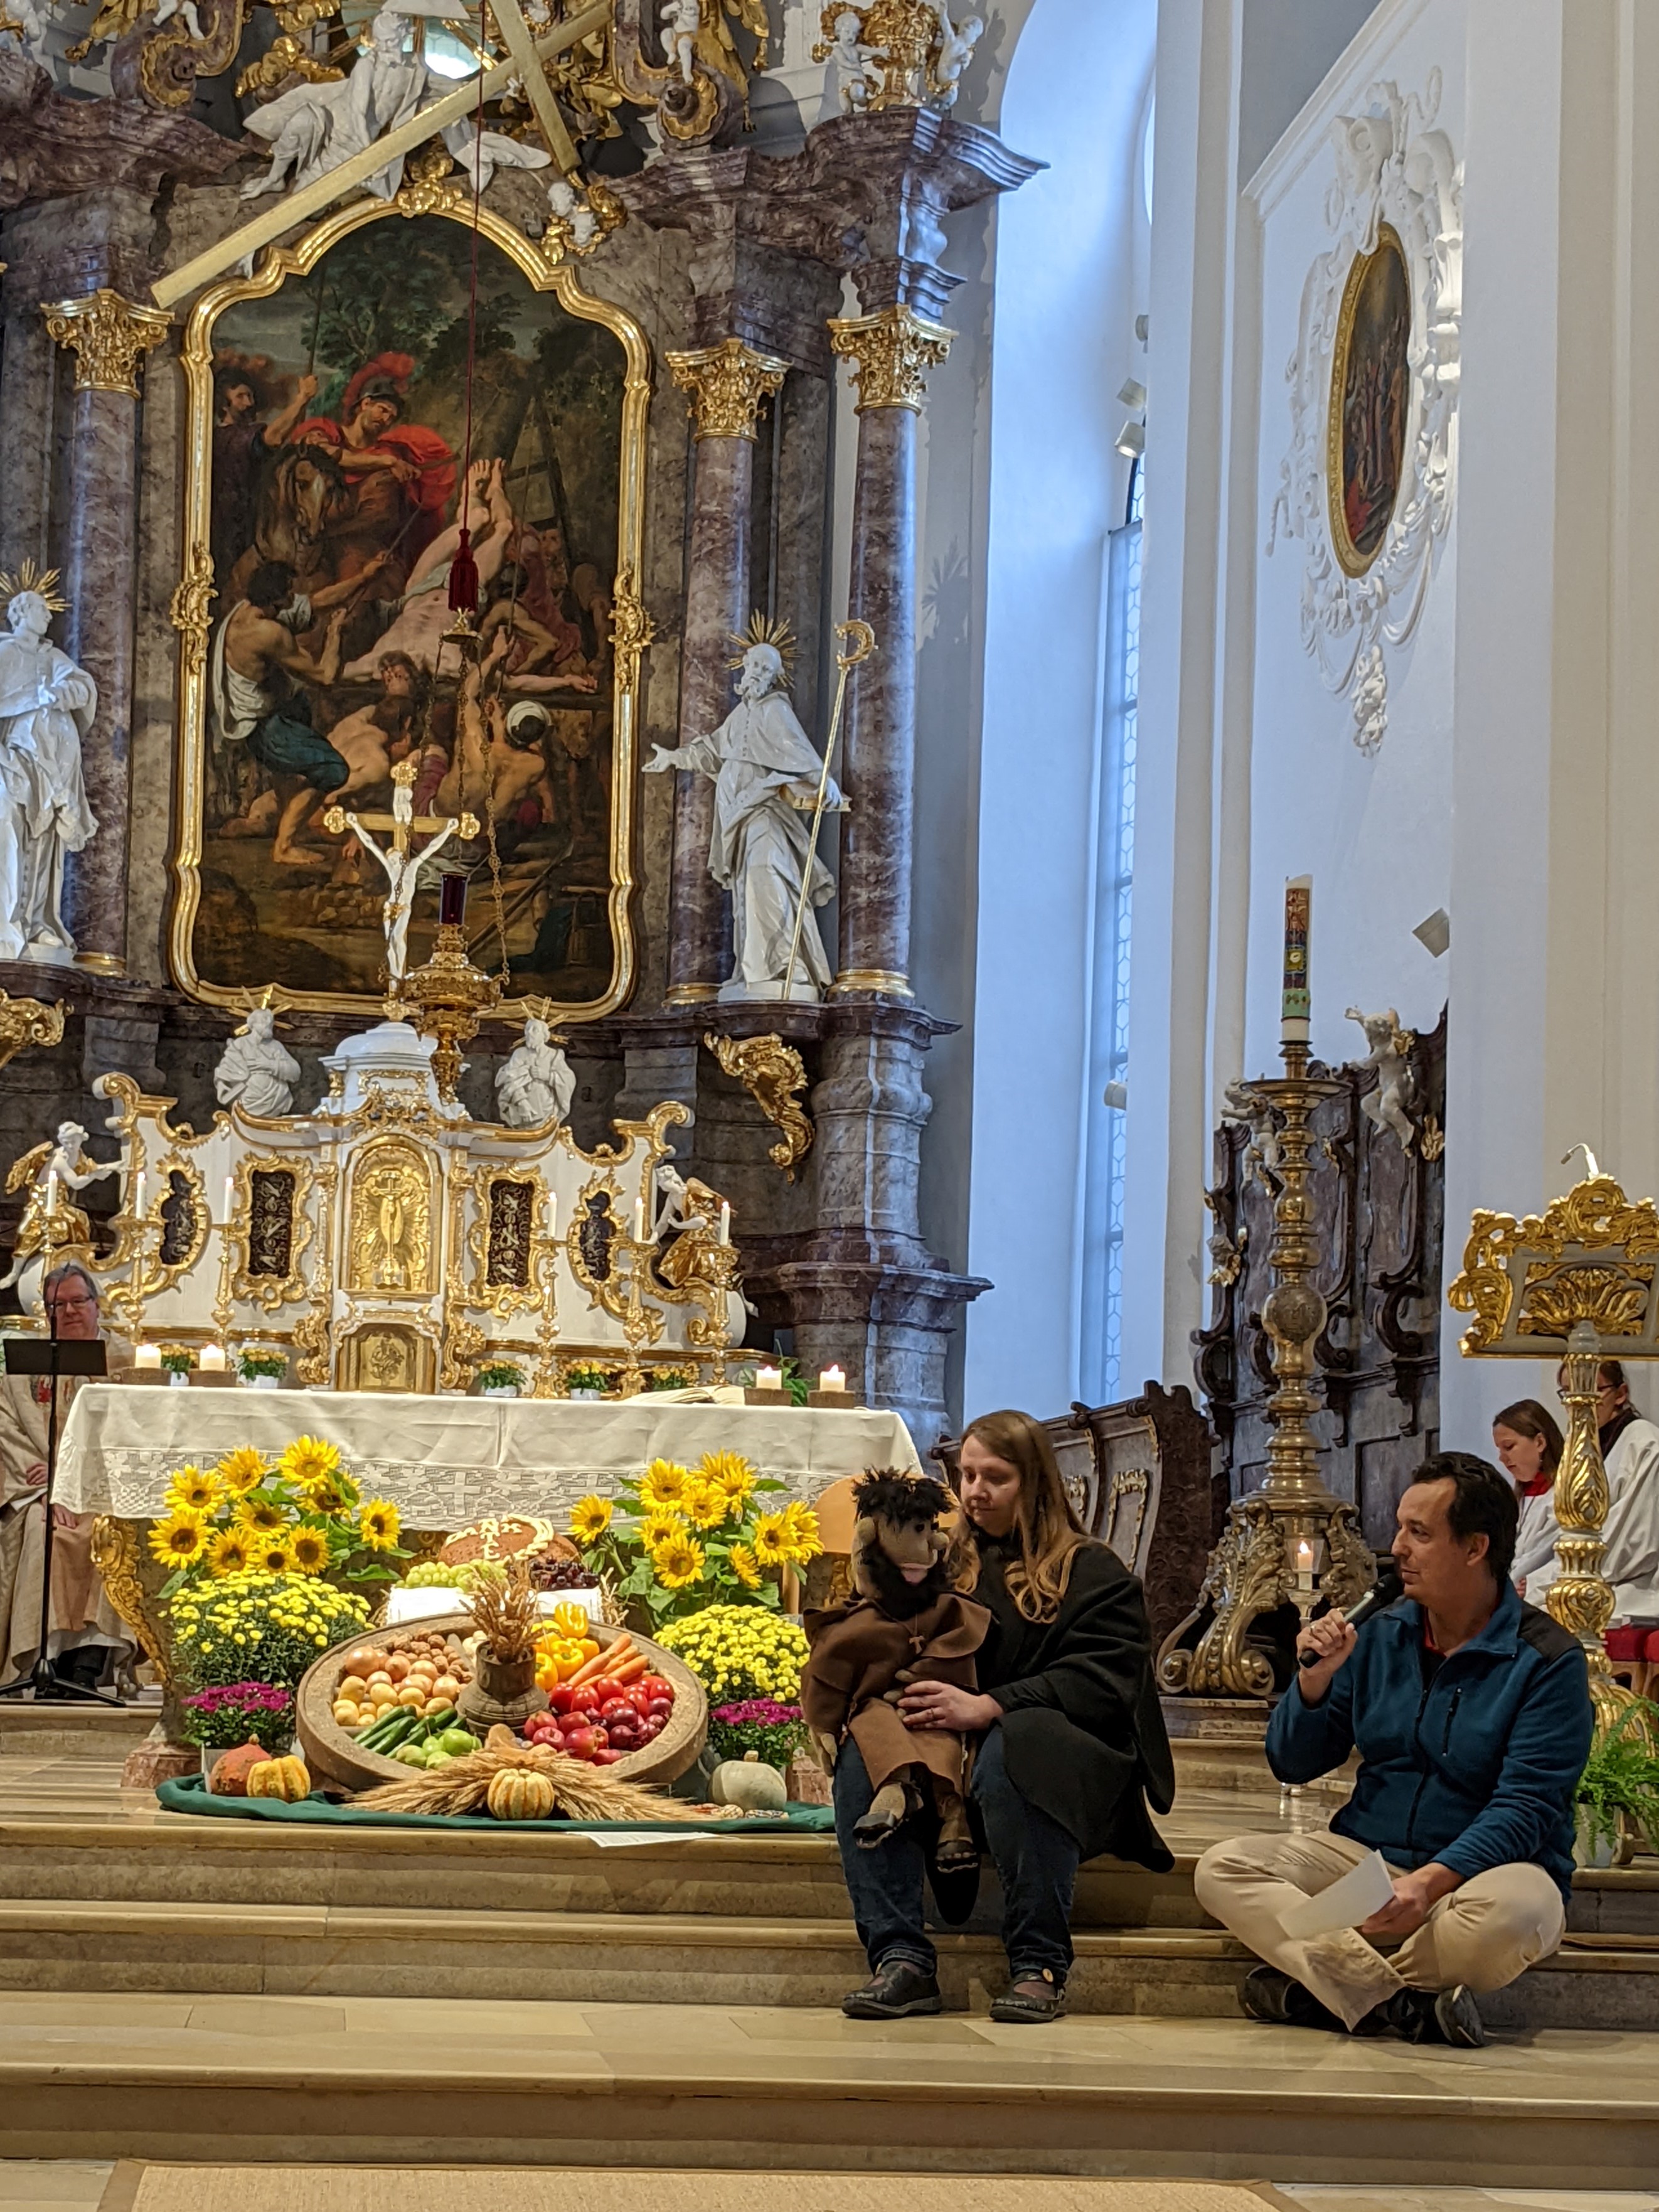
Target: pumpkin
[[287, 1778], [229, 1774], [749, 1783], [518, 1793]]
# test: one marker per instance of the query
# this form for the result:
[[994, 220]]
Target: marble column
[[891, 350], [727, 385], [109, 336]]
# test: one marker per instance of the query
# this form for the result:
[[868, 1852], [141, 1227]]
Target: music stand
[[53, 1356]]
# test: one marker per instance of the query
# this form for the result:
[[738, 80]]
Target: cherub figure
[[852, 71], [1396, 1087], [907, 1623], [56, 1164], [681, 21], [956, 51]]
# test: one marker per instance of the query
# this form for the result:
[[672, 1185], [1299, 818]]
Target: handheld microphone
[[1383, 1593]]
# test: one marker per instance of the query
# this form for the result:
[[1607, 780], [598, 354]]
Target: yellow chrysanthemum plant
[[299, 1514], [678, 1539]]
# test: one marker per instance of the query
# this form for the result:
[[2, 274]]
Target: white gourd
[[748, 1783]]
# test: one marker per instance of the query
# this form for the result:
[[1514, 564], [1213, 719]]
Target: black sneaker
[[1268, 1995], [1449, 2016], [899, 1990], [1457, 2017]]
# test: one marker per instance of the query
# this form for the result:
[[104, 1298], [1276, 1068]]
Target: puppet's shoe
[[1032, 2000], [957, 1856], [899, 1990], [882, 1822]]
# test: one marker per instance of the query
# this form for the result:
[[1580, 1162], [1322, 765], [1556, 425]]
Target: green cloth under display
[[190, 1794]]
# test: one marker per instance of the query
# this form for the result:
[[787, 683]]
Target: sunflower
[[261, 1516], [192, 1491], [704, 1503], [657, 1527], [590, 1517], [800, 1526], [337, 1493], [309, 1548], [242, 1470], [229, 1552], [729, 1471], [180, 1540], [309, 1462], [378, 1524], [663, 1484], [773, 1544], [270, 1555], [746, 1566], [677, 1562]]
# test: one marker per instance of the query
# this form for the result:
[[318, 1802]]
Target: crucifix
[[402, 868]]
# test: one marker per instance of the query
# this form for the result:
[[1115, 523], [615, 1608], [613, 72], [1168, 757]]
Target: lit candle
[[139, 1195], [1293, 1007], [726, 1223], [639, 1220], [230, 1199], [552, 1212], [769, 1379], [832, 1378], [148, 1355], [212, 1361], [1304, 1561]]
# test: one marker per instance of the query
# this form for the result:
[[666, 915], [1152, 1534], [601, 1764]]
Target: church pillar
[[891, 349], [728, 384], [109, 336]]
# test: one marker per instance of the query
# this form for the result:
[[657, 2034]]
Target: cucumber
[[436, 1723], [391, 1733]]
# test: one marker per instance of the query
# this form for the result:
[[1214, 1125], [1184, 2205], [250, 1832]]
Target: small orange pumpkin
[[230, 1773], [286, 1778], [518, 1793]]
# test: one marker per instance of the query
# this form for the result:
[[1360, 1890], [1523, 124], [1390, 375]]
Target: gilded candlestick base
[[445, 999]]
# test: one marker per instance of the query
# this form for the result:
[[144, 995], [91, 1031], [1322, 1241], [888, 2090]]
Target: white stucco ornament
[[1395, 172]]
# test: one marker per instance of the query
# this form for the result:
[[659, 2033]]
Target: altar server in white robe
[[1630, 1534], [1528, 1441], [86, 1633], [766, 779]]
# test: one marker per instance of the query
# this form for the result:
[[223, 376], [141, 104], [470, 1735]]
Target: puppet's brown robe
[[857, 1653]]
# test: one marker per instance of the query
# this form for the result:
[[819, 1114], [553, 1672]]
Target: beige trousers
[[1492, 1928]]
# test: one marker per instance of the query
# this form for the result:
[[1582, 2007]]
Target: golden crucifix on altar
[[402, 865], [1578, 1284]]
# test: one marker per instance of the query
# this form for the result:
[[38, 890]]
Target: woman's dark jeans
[[1035, 1857]]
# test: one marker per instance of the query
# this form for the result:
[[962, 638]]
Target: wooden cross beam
[[455, 107], [516, 37]]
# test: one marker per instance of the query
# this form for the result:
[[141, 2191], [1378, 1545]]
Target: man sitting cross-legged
[[1472, 1715]]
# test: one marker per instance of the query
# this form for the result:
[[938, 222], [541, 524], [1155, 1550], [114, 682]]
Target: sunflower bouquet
[[679, 1538], [253, 1626], [301, 1514]]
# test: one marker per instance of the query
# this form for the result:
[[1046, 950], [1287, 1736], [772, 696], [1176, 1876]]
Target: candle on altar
[[832, 1378], [148, 1355], [725, 1222], [230, 1201], [212, 1361], [1304, 1564], [1294, 1008], [139, 1195], [639, 1220], [52, 1204], [769, 1379], [552, 1212]]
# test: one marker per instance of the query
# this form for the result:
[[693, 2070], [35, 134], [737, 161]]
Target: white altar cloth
[[446, 1462]]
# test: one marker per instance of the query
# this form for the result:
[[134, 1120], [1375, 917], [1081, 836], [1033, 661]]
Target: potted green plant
[[585, 1382], [178, 1362], [667, 1378], [262, 1371], [1618, 1802], [500, 1379]]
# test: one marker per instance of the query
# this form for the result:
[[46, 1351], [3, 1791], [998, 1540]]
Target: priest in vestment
[[85, 1633], [758, 757]]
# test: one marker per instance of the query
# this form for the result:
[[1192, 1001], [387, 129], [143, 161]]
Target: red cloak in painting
[[385, 515]]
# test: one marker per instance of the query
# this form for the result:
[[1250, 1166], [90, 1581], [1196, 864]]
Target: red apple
[[606, 1757]]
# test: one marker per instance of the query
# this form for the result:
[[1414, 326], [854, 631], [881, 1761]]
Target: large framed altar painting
[[331, 416], [1370, 402]]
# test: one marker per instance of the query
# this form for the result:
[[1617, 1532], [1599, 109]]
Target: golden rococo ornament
[[919, 55], [25, 1022], [726, 385], [189, 610], [109, 336], [891, 352], [772, 1073]]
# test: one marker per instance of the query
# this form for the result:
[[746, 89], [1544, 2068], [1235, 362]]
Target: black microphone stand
[[59, 1356]]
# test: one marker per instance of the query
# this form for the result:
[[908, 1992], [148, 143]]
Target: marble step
[[398, 2084], [32, 1731]]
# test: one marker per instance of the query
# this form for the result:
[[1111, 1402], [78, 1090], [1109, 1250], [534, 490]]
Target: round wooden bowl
[[336, 1754]]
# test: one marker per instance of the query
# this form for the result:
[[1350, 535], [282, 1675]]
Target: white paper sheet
[[1365, 1889]]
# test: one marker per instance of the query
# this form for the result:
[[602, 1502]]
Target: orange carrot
[[631, 1673], [601, 1663]]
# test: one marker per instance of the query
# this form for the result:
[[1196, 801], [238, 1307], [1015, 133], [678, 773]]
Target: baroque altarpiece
[[306, 315]]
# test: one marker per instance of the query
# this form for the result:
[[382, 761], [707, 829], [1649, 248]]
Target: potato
[[446, 1689], [381, 1695], [353, 1686], [378, 1676], [414, 1698], [348, 1715]]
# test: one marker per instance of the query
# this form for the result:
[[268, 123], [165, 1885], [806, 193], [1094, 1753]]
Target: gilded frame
[[1350, 559], [270, 1292], [546, 271]]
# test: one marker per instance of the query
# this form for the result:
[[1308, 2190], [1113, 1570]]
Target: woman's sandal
[[1031, 2002]]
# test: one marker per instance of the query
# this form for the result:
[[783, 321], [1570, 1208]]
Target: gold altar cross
[[403, 827]]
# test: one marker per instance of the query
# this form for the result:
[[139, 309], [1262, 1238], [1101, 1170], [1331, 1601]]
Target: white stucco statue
[[536, 1083], [55, 1166], [852, 71], [255, 1071], [1261, 1159], [681, 21], [315, 127], [956, 51], [46, 707], [766, 779], [1396, 1087], [568, 203]]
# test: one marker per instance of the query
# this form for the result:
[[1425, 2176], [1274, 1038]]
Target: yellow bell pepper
[[569, 1619]]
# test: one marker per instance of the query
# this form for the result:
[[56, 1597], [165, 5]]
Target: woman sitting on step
[[1065, 1735]]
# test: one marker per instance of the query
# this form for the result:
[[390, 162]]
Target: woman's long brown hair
[[1526, 1417], [1050, 1533]]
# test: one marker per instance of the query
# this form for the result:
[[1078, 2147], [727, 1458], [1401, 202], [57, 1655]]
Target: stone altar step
[[399, 2083], [28, 1730]]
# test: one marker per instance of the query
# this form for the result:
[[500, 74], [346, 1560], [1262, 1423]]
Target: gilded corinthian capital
[[110, 335], [727, 385], [891, 352]]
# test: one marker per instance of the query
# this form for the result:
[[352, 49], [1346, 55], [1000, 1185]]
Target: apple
[[563, 1699], [606, 1757], [587, 1699]]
